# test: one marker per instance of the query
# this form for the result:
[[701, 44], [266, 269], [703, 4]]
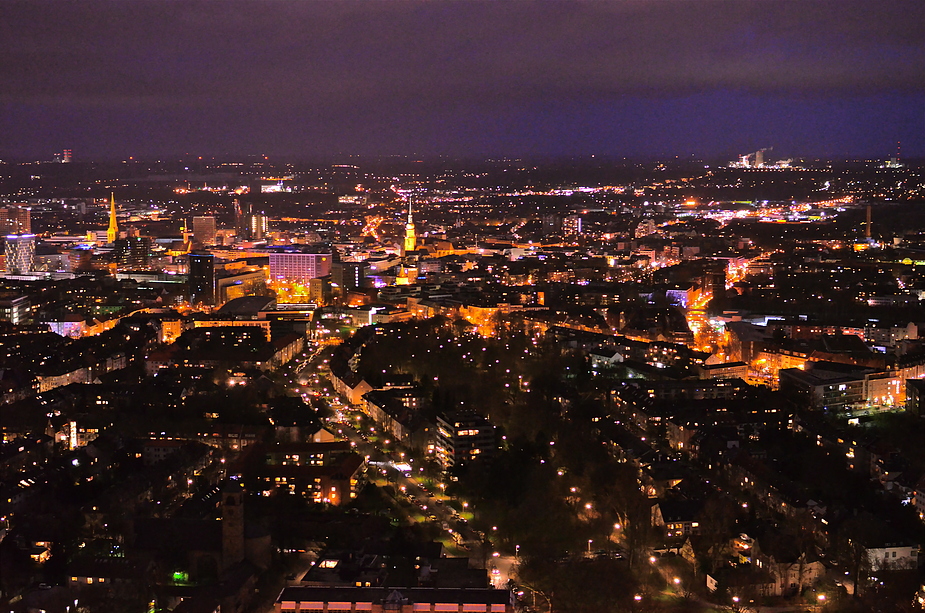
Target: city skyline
[[633, 79]]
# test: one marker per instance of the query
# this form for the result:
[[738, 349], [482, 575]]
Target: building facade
[[296, 267], [395, 600], [20, 253]]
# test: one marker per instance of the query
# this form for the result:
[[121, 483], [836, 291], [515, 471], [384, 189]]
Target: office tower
[[20, 253], [133, 253], [240, 219], [295, 267], [202, 278], [15, 219], [112, 233], [348, 275], [79, 258], [257, 226], [204, 230]]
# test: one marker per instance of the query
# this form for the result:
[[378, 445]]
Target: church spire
[[113, 232], [410, 239]]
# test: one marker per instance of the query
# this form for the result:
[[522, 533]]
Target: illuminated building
[[112, 233], [15, 308], [240, 221], [15, 220], [80, 258], [462, 437], [319, 290], [571, 225], [348, 275], [394, 600], [256, 226], [297, 267], [238, 283], [133, 253], [204, 230], [336, 482], [20, 253], [410, 243], [202, 278]]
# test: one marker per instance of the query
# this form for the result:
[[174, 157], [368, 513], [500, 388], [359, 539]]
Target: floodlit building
[[20, 253], [15, 220], [298, 267]]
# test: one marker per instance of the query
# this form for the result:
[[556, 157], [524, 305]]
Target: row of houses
[[404, 414]]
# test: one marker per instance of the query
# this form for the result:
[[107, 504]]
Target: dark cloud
[[380, 66]]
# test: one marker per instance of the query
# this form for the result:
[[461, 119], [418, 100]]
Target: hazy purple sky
[[309, 78]]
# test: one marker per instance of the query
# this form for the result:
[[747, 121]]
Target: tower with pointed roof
[[112, 233], [410, 239]]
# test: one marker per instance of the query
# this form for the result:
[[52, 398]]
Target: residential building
[[464, 436]]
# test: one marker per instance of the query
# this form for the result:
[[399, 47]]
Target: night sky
[[640, 79]]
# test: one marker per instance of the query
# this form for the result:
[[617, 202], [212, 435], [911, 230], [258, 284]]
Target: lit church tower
[[410, 239], [113, 232]]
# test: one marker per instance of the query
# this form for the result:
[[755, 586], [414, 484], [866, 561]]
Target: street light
[[589, 544]]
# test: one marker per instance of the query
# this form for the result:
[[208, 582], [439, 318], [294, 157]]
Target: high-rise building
[[112, 233], [20, 253], [348, 275], [15, 219], [202, 278], [15, 308], [257, 226], [240, 220], [571, 225], [80, 259], [133, 253], [296, 267], [204, 230]]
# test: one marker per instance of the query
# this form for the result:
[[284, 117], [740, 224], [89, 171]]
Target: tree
[[851, 548], [717, 527], [618, 493]]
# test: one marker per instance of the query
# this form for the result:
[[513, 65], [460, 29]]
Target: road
[[305, 378]]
